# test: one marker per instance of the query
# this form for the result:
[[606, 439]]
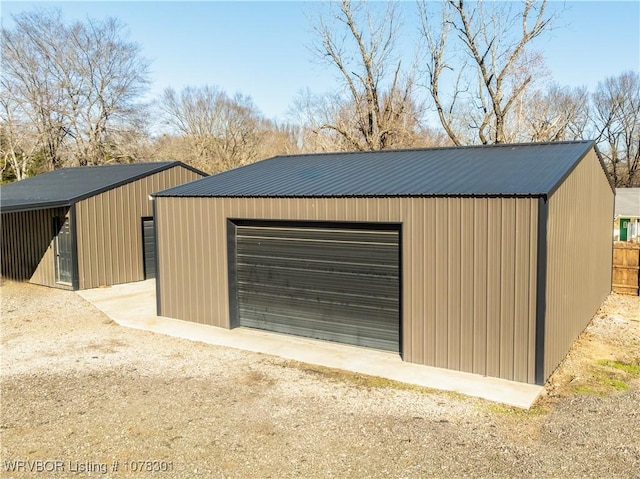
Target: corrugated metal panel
[[460, 257], [495, 170], [336, 282], [109, 228], [28, 246], [493, 283], [579, 251], [68, 185]]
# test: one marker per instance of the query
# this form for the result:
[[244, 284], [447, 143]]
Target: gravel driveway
[[84, 397]]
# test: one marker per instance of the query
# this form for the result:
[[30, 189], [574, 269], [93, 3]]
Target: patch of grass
[[517, 412], [586, 390], [618, 385], [607, 376], [362, 380], [630, 368]]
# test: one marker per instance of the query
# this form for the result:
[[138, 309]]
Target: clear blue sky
[[261, 48]]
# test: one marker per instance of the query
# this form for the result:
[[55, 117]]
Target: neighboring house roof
[[534, 169], [66, 186], [627, 202]]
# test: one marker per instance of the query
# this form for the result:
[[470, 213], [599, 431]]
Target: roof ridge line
[[432, 148], [163, 162]]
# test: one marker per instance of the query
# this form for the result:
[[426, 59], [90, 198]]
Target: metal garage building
[[80, 228], [470, 258]]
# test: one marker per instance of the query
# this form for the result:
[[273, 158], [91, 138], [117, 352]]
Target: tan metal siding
[[480, 302], [468, 270], [109, 234], [28, 246], [579, 251], [493, 284], [507, 305], [467, 276]]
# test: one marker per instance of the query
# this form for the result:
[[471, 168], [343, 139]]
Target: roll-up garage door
[[331, 282]]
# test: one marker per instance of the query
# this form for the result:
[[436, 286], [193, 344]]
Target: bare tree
[[376, 106], [479, 64], [32, 93], [77, 84], [616, 117], [19, 141], [107, 76], [551, 113], [279, 139], [222, 132], [130, 144]]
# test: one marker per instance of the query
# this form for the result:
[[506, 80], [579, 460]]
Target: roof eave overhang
[[424, 196], [34, 206]]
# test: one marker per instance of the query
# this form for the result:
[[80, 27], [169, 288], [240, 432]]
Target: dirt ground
[[84, 397]]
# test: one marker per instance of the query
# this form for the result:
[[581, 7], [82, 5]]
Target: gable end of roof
[[67, 186]]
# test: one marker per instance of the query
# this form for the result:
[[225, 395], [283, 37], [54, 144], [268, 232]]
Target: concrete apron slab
[[134, 305]]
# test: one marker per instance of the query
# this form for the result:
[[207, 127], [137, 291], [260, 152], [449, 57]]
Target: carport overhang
[[29, 206]]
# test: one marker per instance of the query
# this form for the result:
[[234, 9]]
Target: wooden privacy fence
[[626, 268]]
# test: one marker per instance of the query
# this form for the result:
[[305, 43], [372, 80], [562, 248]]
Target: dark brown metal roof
[[534, 169], [66, 186]]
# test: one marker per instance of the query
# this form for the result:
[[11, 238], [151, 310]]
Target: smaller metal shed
[[80, 228], [457, 258]]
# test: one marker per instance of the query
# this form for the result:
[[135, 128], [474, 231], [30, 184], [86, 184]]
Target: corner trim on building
[[157, 260], [232, 268], [75, 279], [541, 289]]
